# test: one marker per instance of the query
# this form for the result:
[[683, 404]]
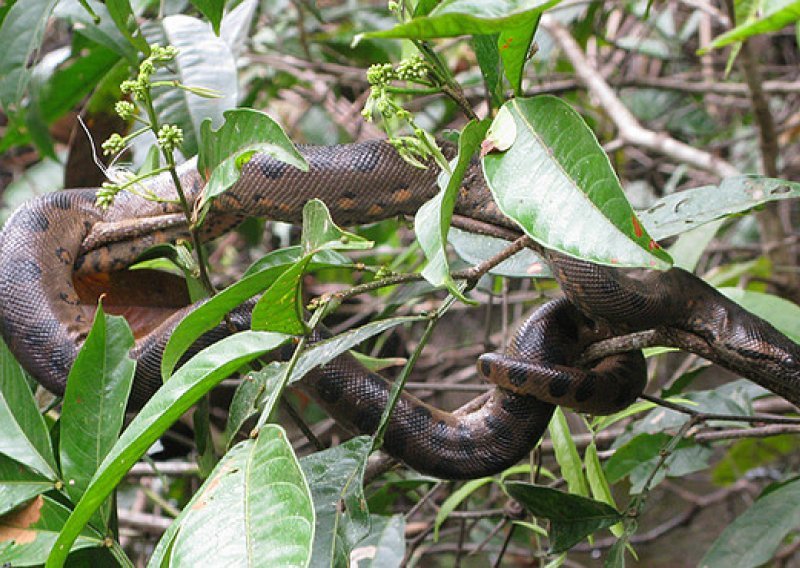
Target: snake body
[[59, 252]]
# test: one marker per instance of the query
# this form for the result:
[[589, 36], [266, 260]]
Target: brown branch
[[757, 432]]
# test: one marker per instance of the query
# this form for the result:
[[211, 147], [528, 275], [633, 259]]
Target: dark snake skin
[[59, 252]]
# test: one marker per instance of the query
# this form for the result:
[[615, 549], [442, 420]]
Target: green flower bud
[[125, 109], [170, 137], [114, 145]]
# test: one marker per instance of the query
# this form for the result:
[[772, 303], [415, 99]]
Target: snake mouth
[[144, 297]]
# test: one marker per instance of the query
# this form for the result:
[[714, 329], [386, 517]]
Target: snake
[[59, 253]]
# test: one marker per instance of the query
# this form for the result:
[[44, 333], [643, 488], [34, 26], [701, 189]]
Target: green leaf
[[69, 85], [204, 60], [19, 484], [321, 233], [567, 454], [454, 500], [34, 528], [750, 453], [561, 188], [385, 546], [488, 56], [280, 308], [754, 537], [685, 210], [432, 221], [25, 437], [94, 402], [199, 375], [783, 314], [572, 517], [602, 422], [211, 9], [250, 395], [224, 151], [514, 45], [254, 510], [21, 36], [777, 14], [125, 20], [323, 351], [336, 478], [258, 278], [599, 484], [104, 33], [639, 457], [469, 17], [643, 448]]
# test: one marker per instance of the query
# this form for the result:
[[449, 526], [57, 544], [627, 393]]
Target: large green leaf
[[24, 434], [224, 151], [199, 375], [34, 529], [95, 400], [685, 210], [20, 35], [752, 539], [462, 17], [336, 478], [572, 517], [548, 173], [254, 510], [105, 32]]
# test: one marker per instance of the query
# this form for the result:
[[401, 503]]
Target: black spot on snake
[[367, 418], [586, 388], [367, 162], [559, 385], [330, 390], [517, 375], [60, 200], [64, 255], [33, 219], [273, 169]]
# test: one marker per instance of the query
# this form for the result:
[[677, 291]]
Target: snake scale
[[58, 252]]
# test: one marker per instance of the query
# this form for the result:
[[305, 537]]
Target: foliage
[[553, 167]]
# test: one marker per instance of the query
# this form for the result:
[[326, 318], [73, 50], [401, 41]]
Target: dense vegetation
[[683, 98]]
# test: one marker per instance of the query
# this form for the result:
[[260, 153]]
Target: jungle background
[[696, 481]]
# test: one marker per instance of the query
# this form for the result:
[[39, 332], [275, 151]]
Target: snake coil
[[58, 252]]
